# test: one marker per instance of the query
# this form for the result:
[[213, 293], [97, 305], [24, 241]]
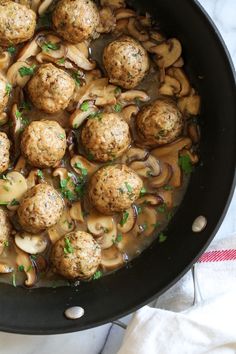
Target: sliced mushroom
[[20, 165], [132, 95], [167, 53], [146, 222], [5, 268], [194, 132], [44, 6], [54, 235], [150, 199], [135, 154], [13, 75], [139, 34], [170, 86], [192, 156], [103, 227], [76, 212], [31, 244], [147, 168], [121, 26], [43, 40], [107, 20], [65, 224], [3, 118], [146, 20], [16, 124], [148, 45], [124, 13], [23, 259], [179, 75], [93, 89], [179, 63], [106, 97], [189, 105], [5, 59], [167, 197], [35, 4], [12, 187], [112, 259], [129, 222], [78, 57], [79, 116], [82, 166], [128, 112], [31, 49], [157, 36], [32, 178], [163, 178], [115, 4]]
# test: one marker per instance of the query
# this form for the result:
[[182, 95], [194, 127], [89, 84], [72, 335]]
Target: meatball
[[41, 207], [51, 88], [43, 143], [5, 229], [76, 20], [3, 93], [4, 152], [106, 138], [159, 123], [126, 62], [114, 188], [17, 23], [76, 255]]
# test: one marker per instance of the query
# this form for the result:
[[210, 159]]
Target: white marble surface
[[223, 13]]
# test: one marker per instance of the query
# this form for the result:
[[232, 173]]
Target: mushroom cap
[[75, 20], [159, 122], [3, 93], [5, 228], [126, 62], [17, 23], [4, 152], [41, 207], [43, 143], [80, 260], [114, 188], [51, 88], [106, 138]]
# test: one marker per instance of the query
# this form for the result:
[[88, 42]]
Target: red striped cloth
[[218, 256]]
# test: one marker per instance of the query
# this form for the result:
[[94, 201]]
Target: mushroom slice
[[189, 105], [167, 197], [51, 46], [32, 244], [76, 212], [128, 96], [124, 13], [147, 168], [170, 86], [192, 156], [79, 116], [176, 146], [82, 166], [16, 124], [44, 6], [135, 154], [31, 49], [179, 63], [130, 217], [157, 36], [146, 20], [13, 186], [121, 26], [35, 4], [13, 75], [20, 165], [103, 227], [32, 178], [112, 259], [54, 235], [128, 112], [5, 268], [139, 34], [5, 59], [66, 224], [107, 20], [23, 259], [106, 97], [146, 221], [194, 132], [167, 53], [163, 178], [78, 57], [3, 118], [179, 75], [115, 4], [150, 199], [148, 45]]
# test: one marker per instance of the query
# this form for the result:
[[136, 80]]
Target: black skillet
[[40, 311]]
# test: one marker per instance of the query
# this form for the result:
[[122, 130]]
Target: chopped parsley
[[185, 164], [14, 279], [168, 188], [170, 215], [117, 91], [143, 192], [96, 115], [14, 202], [40, 174], [129, 188], [162, 237], [61, 136], [21, 268], [18, 114], [61, 61], [25, 106], [8, 88], [71, 190], [77, 77], [84, 106], [119, 238], [11, 50], [156, 225], [90, 156], [137, 101], [162, 208], [98, 274], [117, 108], [25, 71], [139, 210], [6, 243], [144, 226], [47, 46], [80, 167], [124, 219], [68, 247]]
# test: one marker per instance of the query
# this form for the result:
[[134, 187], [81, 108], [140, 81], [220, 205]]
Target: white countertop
[[223, 13]]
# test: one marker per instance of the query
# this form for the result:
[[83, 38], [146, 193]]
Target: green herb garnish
[[185, 164], [61, 61], [14, 202], [139, 210], [124, 219], [143, 192], [117, 108], [25, 106], [168, 188], [129, 188], [8, 88], [11, 50], [80, 167], [47, 46], [61, 136], [18, 114], [25, 71], [68, 247], [162, 208], [98, 274], [162, 237], [117, 91], [6, 243], [84, 106], [96, 115], [21, 268], [90, 156], [77, 77], [40, 174]]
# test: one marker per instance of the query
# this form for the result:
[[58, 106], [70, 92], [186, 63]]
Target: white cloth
[[178, 326]]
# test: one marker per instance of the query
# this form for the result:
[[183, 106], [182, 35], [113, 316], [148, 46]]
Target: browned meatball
[[106, 137], [41, 207], [126, 62], [4, 96], [5, 229], [4, 152], [76, 20], [76, 255], [17, 23], [114, 188], [51, 88], [159, 123], [43, 143]]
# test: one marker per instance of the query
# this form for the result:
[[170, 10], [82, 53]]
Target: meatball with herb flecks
[[114, 188], [40, 208], [51, 88], [126, 62], [76, 255], [17, 23], [159, 123], [76, 20], [5, 230], [106, 136], [4, 152], [43, 143]]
